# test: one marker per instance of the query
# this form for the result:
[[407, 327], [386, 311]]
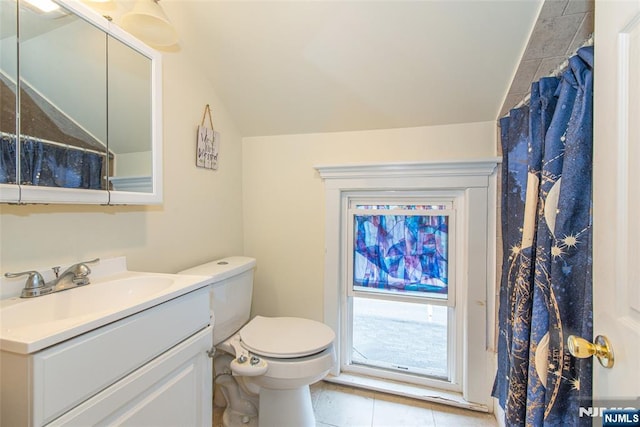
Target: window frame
[[453, 202], [477, 181]]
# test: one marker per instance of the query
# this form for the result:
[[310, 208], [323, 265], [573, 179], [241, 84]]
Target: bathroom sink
[[31, 324], [83, 301]]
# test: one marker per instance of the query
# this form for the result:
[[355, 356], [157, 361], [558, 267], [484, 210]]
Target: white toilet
[[273, 359]]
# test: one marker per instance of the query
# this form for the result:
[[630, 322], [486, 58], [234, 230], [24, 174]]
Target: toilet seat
[[285, 337]]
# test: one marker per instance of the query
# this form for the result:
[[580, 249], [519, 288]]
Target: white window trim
[[477, 179]]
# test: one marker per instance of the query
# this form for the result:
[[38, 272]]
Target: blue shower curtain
[[546, 292]]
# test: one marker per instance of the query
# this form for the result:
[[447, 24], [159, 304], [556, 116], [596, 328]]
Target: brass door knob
[[601, 348]]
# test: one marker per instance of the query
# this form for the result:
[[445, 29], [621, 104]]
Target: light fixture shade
[[44, 6], [148, 22]]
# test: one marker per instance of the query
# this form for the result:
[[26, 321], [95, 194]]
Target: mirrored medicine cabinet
[[81, 109]]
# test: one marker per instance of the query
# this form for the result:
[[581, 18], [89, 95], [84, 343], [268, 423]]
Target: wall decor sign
[[208, 144]]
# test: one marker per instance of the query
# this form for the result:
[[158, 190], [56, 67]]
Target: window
[[400, 298], [470, 186], [383, 334]]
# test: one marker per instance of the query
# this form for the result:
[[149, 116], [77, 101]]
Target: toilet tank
[[230, 293]]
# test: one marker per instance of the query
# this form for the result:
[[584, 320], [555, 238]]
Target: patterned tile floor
[[340, 406]]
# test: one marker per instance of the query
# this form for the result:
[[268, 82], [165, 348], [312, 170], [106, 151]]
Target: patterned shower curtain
[[546, 292]]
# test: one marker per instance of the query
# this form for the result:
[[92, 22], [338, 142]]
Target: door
[[616, 244]]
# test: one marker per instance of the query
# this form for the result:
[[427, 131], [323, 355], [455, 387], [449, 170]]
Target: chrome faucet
[[74, 276]]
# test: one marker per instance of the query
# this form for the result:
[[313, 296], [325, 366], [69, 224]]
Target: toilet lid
[[285, 337]]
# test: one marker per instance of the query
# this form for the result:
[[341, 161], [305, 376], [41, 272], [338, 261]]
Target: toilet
[[263, 367]]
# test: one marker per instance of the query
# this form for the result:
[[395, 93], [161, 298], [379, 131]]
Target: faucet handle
[[35, 279], [81, 272], [35, 284]]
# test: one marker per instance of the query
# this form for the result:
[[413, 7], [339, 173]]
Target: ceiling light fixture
[[44, 6], [148, 22]]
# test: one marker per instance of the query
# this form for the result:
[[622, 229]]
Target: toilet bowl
[[282, 356], [273, 359]]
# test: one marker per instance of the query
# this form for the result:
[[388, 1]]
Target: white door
[[616, 238]]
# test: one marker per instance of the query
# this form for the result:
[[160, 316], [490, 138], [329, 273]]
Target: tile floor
[[341, 406]]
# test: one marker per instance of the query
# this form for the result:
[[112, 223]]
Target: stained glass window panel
[[401, 251]]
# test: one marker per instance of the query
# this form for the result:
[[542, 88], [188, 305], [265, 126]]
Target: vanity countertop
[[28, 325]]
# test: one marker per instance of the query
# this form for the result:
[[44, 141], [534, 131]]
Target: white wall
[[284, 199], [199, 220], [265, 186]]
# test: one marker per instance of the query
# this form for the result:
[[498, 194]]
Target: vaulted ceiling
[[286, 67]]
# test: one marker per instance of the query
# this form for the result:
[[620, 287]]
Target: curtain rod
[[57, 144], [555, 73]]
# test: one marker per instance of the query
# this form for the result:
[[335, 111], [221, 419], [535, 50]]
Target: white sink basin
[[31, 324], [82, 301]]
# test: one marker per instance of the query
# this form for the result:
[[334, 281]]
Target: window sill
[[406, 390]]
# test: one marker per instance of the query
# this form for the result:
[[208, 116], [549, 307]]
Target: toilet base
[[286, 408], [231, 418]]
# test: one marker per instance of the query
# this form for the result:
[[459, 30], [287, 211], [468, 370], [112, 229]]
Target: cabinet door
[[173, 389], [9, 191], [62, 86]]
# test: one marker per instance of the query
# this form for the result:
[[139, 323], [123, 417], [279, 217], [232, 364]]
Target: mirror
[[87, 101], [129, 118], [63, 101]]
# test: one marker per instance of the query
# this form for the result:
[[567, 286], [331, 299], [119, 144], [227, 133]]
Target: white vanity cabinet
[[151, 368]]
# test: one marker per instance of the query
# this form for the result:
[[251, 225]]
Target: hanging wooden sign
[[208, 144]]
